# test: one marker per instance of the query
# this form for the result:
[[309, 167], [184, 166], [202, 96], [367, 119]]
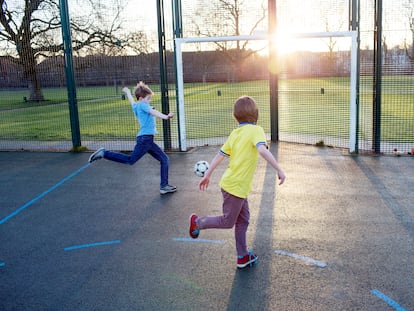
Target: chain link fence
[[116, 44]]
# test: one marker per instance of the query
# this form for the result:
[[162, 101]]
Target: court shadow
[[388, 196], [250, 285]]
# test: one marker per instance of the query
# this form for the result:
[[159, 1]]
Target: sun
[[287, 43], [290, 43]]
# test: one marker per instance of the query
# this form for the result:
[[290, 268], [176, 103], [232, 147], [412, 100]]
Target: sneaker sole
[[93, 155], [247, 264], [191, 235], [167, 191]]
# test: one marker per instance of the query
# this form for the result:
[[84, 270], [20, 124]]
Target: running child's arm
[[161, 115], [127, 91], [268, 156], [203, 185]]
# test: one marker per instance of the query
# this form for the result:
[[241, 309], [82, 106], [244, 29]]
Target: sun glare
[[286, 44]]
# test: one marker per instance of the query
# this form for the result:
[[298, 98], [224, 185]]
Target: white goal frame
[[179, 42]]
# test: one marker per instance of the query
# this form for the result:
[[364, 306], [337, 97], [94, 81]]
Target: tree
[[409, 6], [30, 31], [229, 18]]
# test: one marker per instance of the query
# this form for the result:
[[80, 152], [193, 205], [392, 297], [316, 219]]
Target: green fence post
[[163, 74], [70, 75], [377, 77], [273, 74]]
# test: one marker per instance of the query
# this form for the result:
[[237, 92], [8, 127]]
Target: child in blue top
[[145, 115]]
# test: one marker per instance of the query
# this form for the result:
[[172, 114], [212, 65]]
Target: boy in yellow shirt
[[242, 147]]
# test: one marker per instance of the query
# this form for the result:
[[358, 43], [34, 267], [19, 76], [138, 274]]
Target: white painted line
[[197, 240], [312, 261]]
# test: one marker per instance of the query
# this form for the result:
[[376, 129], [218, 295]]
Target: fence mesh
[[34, 108], [314, 93]]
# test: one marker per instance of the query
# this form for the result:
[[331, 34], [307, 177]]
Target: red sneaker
[[246, 260], [194, 231]]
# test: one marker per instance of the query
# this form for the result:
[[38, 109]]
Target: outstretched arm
[[268, 156], [203, 184], [127, 91], [161, 115]]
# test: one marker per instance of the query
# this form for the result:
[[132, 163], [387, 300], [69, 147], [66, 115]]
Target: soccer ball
[[200, 168]]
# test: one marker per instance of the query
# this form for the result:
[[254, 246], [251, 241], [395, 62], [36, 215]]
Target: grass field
[[303, 109]]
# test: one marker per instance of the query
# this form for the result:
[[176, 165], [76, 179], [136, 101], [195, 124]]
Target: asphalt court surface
[[338, 235]]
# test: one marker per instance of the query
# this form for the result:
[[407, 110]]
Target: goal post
[[180, 42]]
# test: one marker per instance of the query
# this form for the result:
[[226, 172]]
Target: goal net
[[317, 83]]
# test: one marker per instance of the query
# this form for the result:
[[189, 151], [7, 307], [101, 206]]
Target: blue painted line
[[19, 210], [312, 261], [197, 240], [71, 248], [2, 264], [387, 299]]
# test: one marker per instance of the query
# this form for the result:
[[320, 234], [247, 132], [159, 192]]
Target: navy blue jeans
[[145, 144]]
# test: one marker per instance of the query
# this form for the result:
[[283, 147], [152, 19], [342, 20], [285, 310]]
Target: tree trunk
[[32, 76], [36, 94]]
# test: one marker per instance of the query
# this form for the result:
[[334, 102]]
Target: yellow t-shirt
[[241, 148]]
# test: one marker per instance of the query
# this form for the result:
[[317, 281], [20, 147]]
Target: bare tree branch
[[228, 22], [33, 29]]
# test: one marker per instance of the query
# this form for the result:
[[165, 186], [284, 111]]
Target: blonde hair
[[142, 90], [245, 110]]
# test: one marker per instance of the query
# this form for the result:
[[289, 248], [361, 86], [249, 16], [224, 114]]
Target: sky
[[297, 16], [293, 16]]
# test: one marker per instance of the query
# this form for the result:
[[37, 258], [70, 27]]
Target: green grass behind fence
[[306, 110]]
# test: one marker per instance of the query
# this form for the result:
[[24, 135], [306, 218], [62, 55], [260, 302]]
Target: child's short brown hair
[[245, 110], [142, 90]]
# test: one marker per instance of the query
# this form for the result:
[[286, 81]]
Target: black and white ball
[[200, 168]]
